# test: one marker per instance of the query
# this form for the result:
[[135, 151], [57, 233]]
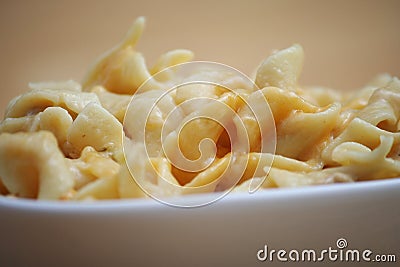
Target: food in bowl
[[184, 127]]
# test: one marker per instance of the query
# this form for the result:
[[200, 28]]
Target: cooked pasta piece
[[116, 104], [32, 166], [97, 128], [122, 69], [282, 69]]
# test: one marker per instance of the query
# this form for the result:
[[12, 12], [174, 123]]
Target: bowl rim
[[232, 198]]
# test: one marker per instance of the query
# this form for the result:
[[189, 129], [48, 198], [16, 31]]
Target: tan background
[[346, 42]]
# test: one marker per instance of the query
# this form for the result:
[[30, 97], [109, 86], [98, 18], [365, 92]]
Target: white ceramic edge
[[275, 194]]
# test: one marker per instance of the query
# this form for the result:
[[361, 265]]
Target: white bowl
[[229, 232], [55, 41]]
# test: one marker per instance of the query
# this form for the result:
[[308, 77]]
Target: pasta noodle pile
[[64, 140]]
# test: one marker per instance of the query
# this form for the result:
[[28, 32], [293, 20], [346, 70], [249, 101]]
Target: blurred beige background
[[346, 42]]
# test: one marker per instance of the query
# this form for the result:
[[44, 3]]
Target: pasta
[[129, 132]]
